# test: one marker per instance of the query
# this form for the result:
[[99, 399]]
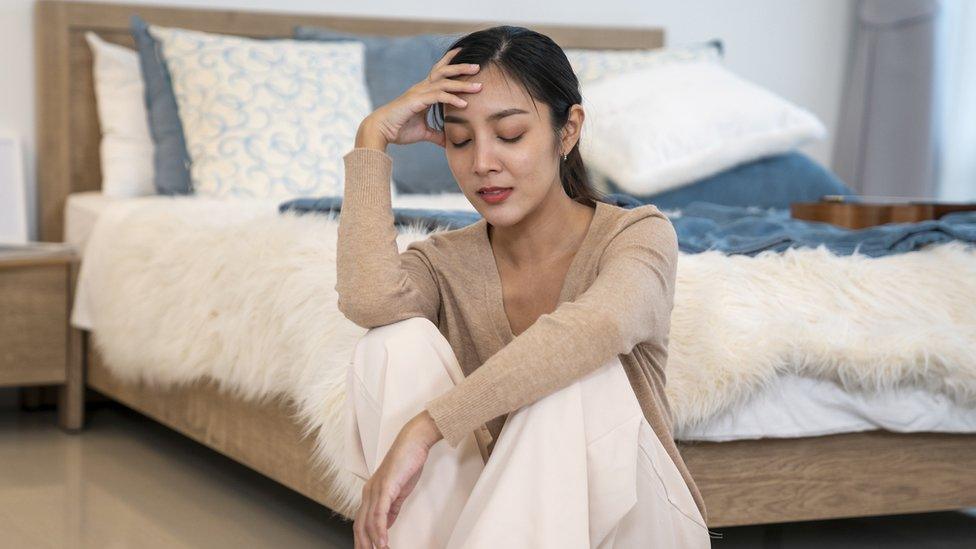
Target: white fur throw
[[181, 288]]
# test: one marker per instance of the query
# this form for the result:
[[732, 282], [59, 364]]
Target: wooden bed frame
[[743, 482]]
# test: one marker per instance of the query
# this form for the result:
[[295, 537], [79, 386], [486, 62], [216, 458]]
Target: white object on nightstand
[[13, 196]]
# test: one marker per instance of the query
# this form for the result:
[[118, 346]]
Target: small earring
[[565, 156]]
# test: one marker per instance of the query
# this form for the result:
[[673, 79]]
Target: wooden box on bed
[[743, 482]]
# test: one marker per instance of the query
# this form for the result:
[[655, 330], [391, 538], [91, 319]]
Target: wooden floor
[[129, 482]]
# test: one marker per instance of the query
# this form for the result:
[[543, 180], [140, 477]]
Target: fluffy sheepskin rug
[[179, 289]]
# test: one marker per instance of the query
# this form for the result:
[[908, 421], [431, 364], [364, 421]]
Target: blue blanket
[[704, 226], [425, 218], [422, 217]]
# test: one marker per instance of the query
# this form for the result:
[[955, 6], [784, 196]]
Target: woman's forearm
[[376, 284]]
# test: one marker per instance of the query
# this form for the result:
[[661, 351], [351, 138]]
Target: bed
[[855, 471]]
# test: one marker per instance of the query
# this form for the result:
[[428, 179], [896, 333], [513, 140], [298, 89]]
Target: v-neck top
[[493, 273], [616, 300]]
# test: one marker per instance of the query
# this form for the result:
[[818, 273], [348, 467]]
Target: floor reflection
[[127, 481]]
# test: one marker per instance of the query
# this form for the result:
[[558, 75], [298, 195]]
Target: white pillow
[[665, 126], [266, 119], [591, 65], [126, 148]]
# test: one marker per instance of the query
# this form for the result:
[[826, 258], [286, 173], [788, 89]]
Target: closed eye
[[465, 142]]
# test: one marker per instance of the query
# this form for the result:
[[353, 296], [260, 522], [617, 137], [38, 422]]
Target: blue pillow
[[393, 64], [171, 160], [770, 182]]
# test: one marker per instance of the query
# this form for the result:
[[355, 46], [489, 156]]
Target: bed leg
[[71, 395]]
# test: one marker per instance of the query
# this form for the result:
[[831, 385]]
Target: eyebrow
[[496, 116]]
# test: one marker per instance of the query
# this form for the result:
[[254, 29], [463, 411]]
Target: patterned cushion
[[592, 65], [393, 64], [265, 118]]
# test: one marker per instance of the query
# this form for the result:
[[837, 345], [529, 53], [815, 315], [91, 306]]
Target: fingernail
[[474, 65]]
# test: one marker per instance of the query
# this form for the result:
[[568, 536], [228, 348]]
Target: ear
[[571, 131]]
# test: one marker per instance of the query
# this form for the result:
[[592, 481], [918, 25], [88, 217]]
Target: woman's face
[[501, 138]]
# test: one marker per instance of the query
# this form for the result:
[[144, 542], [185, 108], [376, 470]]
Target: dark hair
[[540, 66]]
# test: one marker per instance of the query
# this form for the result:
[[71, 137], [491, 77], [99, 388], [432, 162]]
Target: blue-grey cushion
[[393, 64], [770, 182], [170, 158]]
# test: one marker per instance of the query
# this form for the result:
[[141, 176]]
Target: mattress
[[792, 406], [80, 213]]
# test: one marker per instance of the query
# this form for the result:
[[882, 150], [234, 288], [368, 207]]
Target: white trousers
[[580, 467]]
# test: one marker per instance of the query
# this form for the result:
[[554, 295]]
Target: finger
[[364, 531], [394, 512], [372, 520], [459, 86], [447, 97], [382, 514], [376, 520], [436, 137], [363, 515], [361, 541], [453, 69], [446, 58]]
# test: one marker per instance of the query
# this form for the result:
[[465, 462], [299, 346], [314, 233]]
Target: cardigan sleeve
[[629, 302], [375, 282]]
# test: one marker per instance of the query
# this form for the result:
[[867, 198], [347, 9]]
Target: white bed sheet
[[792, 406], [796, 406]]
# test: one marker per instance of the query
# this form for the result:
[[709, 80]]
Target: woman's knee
[[414, 342], [402, 365], [410, 328]]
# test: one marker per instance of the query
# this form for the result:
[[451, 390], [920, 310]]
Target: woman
[[548, 317]]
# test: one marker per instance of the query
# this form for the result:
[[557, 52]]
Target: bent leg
[[581, 467], [666, 514], [572, 470], [395, 370]]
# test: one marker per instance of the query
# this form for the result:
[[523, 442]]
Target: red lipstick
[[494, 195]]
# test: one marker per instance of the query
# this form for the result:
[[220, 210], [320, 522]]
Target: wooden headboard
[[68, 133]]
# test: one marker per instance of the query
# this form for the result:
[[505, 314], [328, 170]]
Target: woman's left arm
[[629, 302]]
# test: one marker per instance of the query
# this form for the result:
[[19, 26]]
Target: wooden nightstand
[[36, 287]]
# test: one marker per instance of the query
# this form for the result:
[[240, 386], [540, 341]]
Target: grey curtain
[[885, 138]]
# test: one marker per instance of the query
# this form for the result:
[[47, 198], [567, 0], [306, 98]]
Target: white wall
[[795, 48]]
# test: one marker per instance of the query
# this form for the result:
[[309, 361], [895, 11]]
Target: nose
[[485, 161]]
